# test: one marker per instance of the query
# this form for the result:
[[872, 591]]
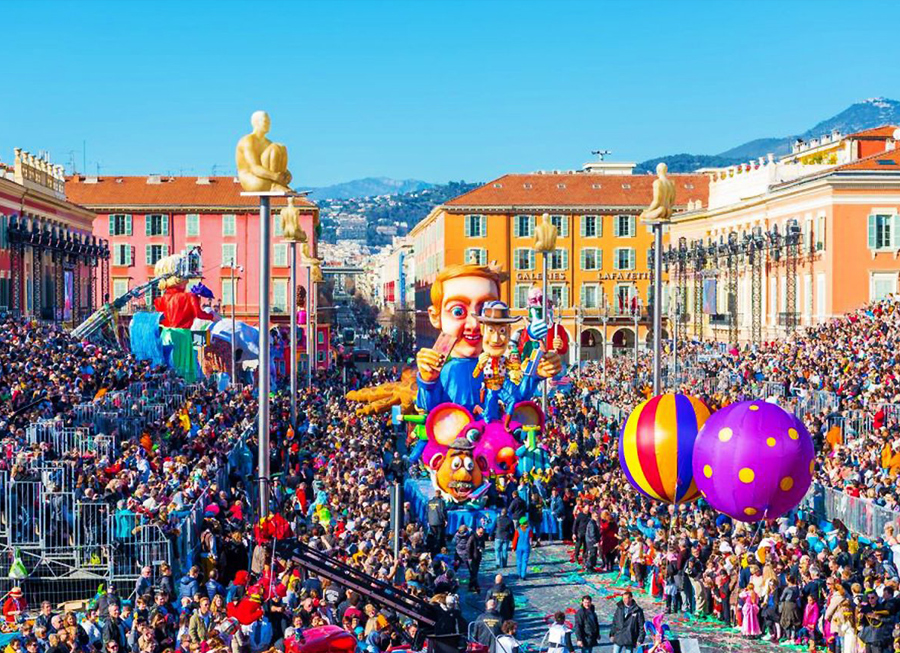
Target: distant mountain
[[368, 187], [377, 219], [873, 112]]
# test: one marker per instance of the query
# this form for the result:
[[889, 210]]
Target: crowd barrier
[[860, 515]]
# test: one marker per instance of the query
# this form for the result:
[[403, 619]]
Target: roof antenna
[[600, 153]]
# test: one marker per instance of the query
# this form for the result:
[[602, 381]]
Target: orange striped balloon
[[656, 447]]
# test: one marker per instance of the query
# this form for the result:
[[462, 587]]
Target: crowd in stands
[[791, 581]]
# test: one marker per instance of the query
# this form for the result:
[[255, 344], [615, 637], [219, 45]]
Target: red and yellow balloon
[[656, 447]]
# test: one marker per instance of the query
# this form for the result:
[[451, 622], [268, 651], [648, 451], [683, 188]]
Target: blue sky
[[430, 90]]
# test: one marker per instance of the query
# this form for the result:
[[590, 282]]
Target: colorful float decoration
[[753, 460], [471, 389], [656, 447]]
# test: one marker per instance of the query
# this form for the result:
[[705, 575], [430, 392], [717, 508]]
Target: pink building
[[147, 218]]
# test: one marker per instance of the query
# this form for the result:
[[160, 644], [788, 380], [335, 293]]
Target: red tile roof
[[181, 192], [877, 133], [578, 189], [889, 161]]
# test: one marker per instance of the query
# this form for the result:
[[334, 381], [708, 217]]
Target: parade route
[[554, 583]]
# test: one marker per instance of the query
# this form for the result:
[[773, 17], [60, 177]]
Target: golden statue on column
[[262, 164], [660, 208]]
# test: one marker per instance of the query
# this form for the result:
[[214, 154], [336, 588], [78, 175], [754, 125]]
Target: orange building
[[823, 226], [601, 255]]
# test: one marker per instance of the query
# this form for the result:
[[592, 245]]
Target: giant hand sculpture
[[261, 164]]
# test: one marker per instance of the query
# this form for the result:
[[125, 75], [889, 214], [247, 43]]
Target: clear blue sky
[[429, 89]]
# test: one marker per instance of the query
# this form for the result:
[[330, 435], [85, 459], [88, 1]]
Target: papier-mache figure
[[457, 296], [179, 308], [495, 322], [541, 335]]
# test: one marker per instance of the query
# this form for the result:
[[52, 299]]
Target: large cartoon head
[[496, 325], [458, 473], [457, 296]]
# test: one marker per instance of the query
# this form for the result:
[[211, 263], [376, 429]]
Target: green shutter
[[872, 226], [148, 223], [516, 227], [112, 225], [483, 221], [148, 254], [565, 259], [130, 255], [583, 256], [895, 231], [128, 224], [165, 225], [165, 250]]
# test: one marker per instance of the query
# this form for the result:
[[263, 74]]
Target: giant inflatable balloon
[[657, 443], [753, 460]]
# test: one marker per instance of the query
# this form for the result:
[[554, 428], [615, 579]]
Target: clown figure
[[495, 322]]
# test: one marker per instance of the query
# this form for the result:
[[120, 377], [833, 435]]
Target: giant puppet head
[[458, 475], [457, 296]]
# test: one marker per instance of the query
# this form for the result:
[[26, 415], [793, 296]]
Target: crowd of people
[[790, 581]]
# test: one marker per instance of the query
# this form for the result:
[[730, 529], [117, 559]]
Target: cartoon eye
[[517, 434], [472, 435], [456, 463], [470, 464], [458, 311]]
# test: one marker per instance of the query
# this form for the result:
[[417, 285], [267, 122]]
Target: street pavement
[[554, 583]]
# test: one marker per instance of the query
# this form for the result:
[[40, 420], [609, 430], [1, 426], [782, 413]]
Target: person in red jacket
[[14, 605]]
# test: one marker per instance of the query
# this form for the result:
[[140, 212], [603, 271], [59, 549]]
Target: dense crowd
[[790, 580]]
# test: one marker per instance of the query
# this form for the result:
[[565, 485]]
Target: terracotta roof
[[579, 189], [889, 160], [885, 131], [122, 192]]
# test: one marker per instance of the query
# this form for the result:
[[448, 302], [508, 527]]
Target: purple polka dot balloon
[[753, 460]]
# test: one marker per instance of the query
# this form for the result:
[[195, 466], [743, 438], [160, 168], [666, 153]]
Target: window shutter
[[583, 256], [148, 254], [165, 225], [565, 259], [112, 225], [598, 256], [565, 296], [148, 224], [516, 227], [530, 259], [482, 220], [165, 250], [128, 224], [130, 255], [631, 256], [872, 224], [895, 231], [582, 222]]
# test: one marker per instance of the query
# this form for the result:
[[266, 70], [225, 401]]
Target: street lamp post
[[578, 318], [636, 314], [238, 268], [293, 357], [605, 319], [545, 242]]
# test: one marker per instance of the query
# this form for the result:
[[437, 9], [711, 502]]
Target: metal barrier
[[857, 424], [891, 412], [860, 515]]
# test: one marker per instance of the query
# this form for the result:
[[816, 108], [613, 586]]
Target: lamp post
[[578, 319], [605, 319], [238, 268], [636, 314], [545, 242]]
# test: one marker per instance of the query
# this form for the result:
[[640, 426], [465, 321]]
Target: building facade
[[790, 242], [149, 217], [599, 273], [51, 264]]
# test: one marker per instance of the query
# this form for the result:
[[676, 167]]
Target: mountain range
[[368, 187], [861, 115]]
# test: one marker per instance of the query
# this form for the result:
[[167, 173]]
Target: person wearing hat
[[494, 322], [14, 605], [521, 544]]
